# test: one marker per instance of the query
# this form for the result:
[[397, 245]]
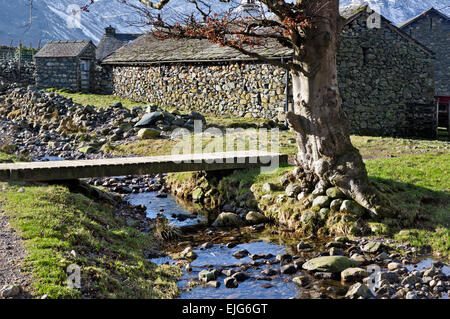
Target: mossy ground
[[53, 222]]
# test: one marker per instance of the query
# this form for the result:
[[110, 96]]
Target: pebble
[[240, 276], [9, 291], [230, 282], [288, 269], [241, 253]]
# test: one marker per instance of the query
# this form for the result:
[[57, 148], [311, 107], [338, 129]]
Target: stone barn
[[432, 28], [66, 65], [111, 41], [385, 77]]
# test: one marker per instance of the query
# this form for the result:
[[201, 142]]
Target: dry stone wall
[[13, 72], [238, 89]]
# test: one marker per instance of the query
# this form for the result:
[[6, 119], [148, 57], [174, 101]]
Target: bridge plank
[[72, 169]]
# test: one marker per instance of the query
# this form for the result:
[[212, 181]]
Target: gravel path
[[12, 255]]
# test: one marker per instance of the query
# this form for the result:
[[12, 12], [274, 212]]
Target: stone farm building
[[111, 41], [66, 65], [385, 76], [432, 28]]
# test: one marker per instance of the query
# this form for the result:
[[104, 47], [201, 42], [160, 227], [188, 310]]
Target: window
[[85, 65]]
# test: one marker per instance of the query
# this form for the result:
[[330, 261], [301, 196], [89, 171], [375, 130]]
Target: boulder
[[149, 119], [206, 245], [353, 274], [168, 117], [227, 220], [411, 295], [390, 276], [288, 269], [322, 201], [207, 275], [117, 105], [187, 253], [359, 290], [283, 258], [301, 281], [213, 284], [334, 193], [372, 247], [148, 133], [241, 253], [240, 276], [253, 217], [268, 187], [333, 264], [411, 280], [230, 282], [292, 190], [336, 204], [323, 214], [307, 217], [352, 207], [10, 291], [394, 266]]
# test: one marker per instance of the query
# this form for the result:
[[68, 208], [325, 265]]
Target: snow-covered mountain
[[62, 19], [398, 11]]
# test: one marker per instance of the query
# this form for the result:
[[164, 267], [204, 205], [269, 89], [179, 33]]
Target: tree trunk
[[326, 154]]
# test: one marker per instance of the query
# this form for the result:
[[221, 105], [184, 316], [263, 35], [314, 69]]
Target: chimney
[[110, 31]]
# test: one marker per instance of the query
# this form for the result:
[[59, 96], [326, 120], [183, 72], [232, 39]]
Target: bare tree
[[310, 28]]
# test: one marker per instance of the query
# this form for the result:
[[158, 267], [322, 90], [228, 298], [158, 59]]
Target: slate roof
[[60, 49], [111, 43], [147, 49], [422, 15]]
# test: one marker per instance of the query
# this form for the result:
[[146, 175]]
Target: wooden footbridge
[[74, 169]]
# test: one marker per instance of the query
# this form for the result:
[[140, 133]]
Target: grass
[[428, 170], [97, 100], [7, 158], [421, 189], [54, 222], [369, 147]]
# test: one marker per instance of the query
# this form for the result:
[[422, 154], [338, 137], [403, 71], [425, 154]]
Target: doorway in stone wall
[[85, 73]]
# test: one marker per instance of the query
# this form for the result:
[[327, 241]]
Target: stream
[[265, 249], [264, 280]]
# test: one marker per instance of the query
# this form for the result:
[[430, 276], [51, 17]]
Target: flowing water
[[268, 242], [220, 257]]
